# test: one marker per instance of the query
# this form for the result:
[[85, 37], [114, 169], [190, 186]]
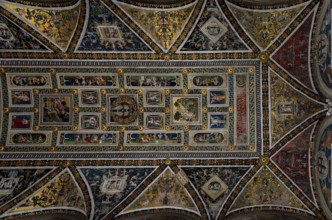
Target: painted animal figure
[[217, 98], [216, 121]]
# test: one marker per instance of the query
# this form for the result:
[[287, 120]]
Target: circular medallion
[[124, 110]]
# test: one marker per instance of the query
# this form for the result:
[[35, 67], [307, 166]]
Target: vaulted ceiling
[[204, 109]]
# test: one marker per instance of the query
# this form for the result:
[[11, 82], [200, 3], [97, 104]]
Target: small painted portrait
[[186, 109], [154, 98], [217, 120], [21, 98], [89, 98], [90, 120], [217, 98], [56, 109], [154, 120], [20, 120]]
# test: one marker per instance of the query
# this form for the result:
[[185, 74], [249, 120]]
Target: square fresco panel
[[56, 109], [122, 109], [186, 109]]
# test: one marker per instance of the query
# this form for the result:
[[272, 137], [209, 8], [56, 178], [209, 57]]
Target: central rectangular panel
[[210, 110]]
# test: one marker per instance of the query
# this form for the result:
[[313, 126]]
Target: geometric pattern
[[266, 189], [293, 160], [163, 26], [60, 193], [56, 25], [265, 26], [133, 126], [230, 176], [213, 32], [18, 180], [109, 186], [289, 107], [293, 55], [17, 38], [167, 191], [106, 32]]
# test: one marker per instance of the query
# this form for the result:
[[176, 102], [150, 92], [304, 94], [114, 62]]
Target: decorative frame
[[153, 96], [89, 98], [92, 123], [183, 111], [156, 114], [20, 121], [23, 94], [46, 105]]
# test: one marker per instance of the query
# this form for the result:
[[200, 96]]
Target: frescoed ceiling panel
[[205, 109]]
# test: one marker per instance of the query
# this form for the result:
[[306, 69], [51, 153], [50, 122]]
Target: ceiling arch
[[194, 109]]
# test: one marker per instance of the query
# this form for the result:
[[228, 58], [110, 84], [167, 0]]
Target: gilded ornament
[[185, 71], [264, 160], [122, 90], [52, 148], [230, 70], [231, 147], [251, 70], [35, 91], [52, 70], [104, 127], [185, 148], [263, 57], [119, 70], [168, 162]]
